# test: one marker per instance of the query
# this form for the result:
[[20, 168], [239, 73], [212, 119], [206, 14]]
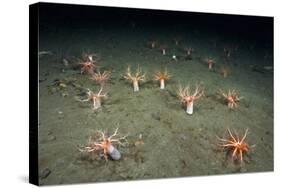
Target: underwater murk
[[128, 98]]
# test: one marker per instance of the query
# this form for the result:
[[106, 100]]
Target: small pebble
[[65, 62], [183, 137], [156, 116], [51, 138], [62, 85], [64, 94], [45, 173]]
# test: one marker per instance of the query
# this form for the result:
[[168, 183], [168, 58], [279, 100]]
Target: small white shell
[[114, 153]]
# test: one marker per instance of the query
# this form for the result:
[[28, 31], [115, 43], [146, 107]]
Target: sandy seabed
[[174, 144]]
